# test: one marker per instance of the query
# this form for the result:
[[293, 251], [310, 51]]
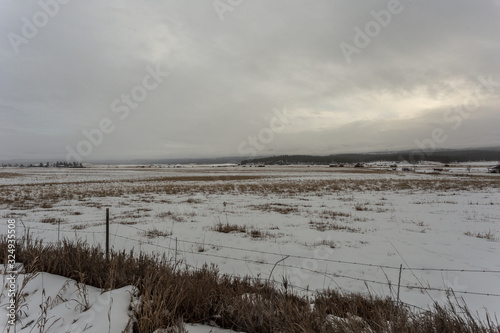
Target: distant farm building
[[495, 169]]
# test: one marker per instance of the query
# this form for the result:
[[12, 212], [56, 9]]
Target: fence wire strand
[[326, 273]]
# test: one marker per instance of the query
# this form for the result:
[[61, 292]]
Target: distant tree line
[[443, 156], [45, 165]]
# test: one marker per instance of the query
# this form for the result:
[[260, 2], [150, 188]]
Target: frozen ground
[[333, 227]]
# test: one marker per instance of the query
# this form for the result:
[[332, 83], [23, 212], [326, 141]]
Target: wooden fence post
[[176, 252], [58, 232], [399, 281], [107, 233]]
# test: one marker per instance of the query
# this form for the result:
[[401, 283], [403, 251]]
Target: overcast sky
[[167, 79]]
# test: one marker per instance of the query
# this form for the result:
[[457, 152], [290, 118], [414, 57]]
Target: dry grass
[[323, 226], [324, 242], [128, 222], [10, 175], [29, 196], [52, 220], [155, 233], [255, 233], [252, 232], [362, 208], [193, 201], [258, 234], [228, 228], [172, 216], [169, 292], [276, 207], [490, 235], [330, 214], [79, 226]]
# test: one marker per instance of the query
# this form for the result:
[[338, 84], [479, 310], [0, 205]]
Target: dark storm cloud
[[227, 76]]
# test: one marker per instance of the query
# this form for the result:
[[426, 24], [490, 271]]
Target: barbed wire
[[323, 273], [450, 290], [329, 260], [450, 270], [330, 275]]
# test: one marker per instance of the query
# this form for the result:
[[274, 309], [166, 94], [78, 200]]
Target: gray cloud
[[226, 77]]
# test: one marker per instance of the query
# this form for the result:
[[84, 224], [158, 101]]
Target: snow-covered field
[[320, 227]]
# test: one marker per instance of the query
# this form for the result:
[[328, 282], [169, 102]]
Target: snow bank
[[52, 303]]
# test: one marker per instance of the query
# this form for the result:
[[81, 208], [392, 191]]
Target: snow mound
[[52, 303]]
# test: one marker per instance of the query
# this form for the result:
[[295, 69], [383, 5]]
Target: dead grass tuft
[[79, 227], [362, 208], [276, 207], [172, 216], [155, 233], [52, 220], [227, 228], [325, 242], [489, 235], [333, 214], [258, 234], [193, 201], [323, 226]]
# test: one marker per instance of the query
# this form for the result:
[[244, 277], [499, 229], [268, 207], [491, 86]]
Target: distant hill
[[444, 156], [412, 156]]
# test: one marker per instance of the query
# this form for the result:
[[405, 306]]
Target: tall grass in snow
[[171, 292]]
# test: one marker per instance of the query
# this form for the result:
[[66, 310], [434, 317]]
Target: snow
[[197, 328], [416, 228], [53, 303]]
